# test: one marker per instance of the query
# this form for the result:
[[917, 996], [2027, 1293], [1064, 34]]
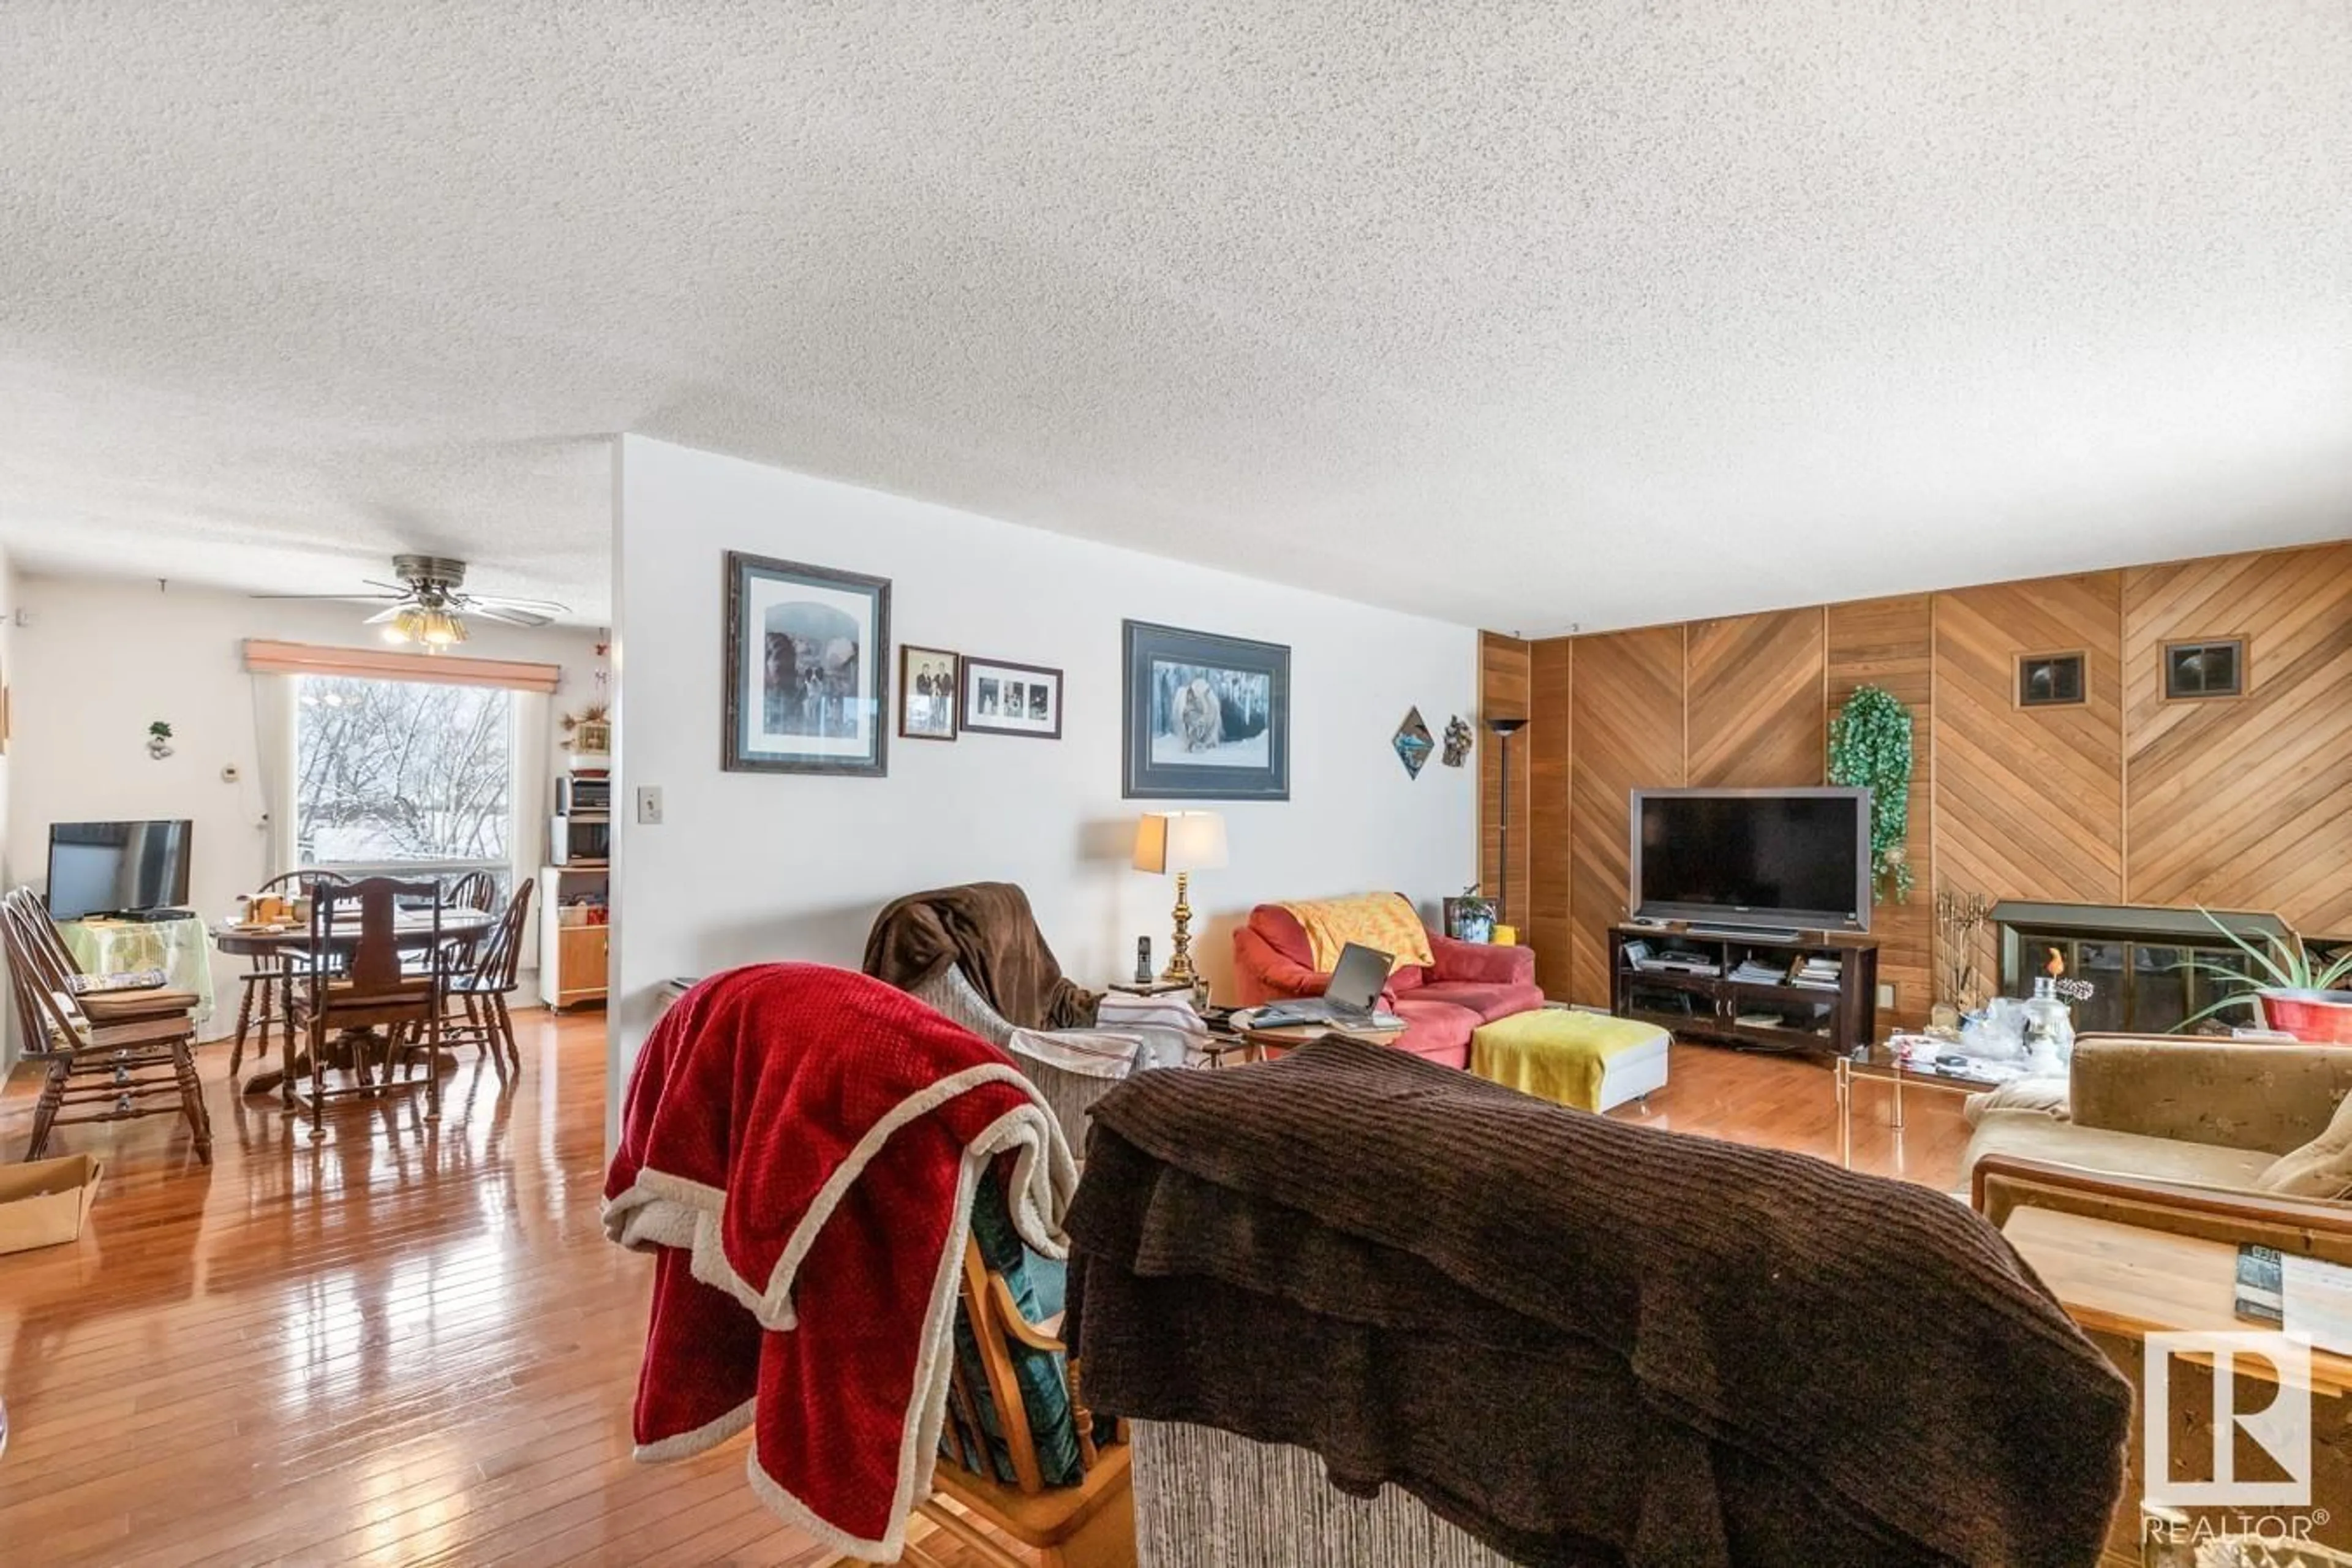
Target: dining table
[[292, 945]]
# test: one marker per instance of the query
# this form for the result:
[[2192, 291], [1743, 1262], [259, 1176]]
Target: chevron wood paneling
[[2128, 797], [1890, 643], [1755, 705], [1628, 731], [1549, 738], [1503, 691], [2241, 803], [2028, 801]]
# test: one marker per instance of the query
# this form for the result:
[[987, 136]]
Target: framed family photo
[[1002, 699], [927, 693], [1207, 718], [807, 669]]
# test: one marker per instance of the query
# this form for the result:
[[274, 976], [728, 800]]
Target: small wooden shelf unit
[[1779, 1015], [572, 959]]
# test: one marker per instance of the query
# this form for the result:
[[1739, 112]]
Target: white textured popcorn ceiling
[[1514, 315]]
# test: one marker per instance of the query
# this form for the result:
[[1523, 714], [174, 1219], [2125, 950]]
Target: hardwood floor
[[386, 1349], [381, 1349]]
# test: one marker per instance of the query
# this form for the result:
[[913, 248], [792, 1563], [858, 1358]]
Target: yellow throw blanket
[[1381, 921], [1554, 1053]]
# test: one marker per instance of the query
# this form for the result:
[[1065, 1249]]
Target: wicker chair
[[125, 1050]]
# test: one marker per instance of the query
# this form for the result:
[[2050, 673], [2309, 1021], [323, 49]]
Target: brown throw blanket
[[984, 929], [1583, 1342]]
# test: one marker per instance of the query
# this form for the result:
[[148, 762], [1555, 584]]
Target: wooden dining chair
[[264, 981], [106, 1053], [369, 999], [476, 890], [480, 990]]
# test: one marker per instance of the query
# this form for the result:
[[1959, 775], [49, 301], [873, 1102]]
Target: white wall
[[98, 660], [8, 843], [750, 867]]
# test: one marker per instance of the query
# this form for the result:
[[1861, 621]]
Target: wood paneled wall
[[1891, 643], [1626, 717], [2244, 803], [1503, 692], [2238, 802]]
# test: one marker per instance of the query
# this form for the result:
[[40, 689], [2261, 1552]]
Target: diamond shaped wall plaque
[[1412, 743]]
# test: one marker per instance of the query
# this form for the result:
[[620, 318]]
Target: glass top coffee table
[[1880, 1063]]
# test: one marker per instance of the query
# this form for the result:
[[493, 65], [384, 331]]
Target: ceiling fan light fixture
[[408, 626], [441, 631]]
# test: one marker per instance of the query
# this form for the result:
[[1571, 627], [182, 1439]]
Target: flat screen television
[[1753, 857], [106, 868]]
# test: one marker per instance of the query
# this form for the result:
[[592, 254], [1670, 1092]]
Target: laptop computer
[[1357, 982]]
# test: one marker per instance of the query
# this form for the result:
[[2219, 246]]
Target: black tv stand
[[1744, 988]]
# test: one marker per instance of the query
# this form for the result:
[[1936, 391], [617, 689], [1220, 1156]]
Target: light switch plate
[[1887, 994], [650, 805]]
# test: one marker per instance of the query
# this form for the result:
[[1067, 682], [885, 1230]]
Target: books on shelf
[[1820, 972], [1756, 971]]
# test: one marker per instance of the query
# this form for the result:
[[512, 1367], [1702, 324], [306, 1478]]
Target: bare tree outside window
[[393, 772]]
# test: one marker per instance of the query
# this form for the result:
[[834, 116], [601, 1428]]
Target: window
[[2205, 668], [402, 777], [2049, 680]]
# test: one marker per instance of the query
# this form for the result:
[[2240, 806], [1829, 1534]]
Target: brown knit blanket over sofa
[[1585, 1342], [986, 929]]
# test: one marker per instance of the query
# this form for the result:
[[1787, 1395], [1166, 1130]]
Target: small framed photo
[[1002, 699], [807, 669], [927, 684]]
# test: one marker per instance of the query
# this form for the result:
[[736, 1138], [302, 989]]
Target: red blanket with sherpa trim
[[799, 1148]]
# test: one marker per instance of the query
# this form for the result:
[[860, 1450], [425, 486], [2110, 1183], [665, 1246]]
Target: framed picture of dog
[[1206, 717]]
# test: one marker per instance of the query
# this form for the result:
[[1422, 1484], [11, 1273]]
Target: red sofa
[[1470, 984]]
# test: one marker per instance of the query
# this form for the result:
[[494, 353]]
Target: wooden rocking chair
[[1086, 1523]]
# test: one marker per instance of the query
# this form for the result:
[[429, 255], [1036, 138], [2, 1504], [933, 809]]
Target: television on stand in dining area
[[131, 870]]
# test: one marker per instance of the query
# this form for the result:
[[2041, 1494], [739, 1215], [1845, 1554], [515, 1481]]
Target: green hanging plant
[[1869, 745]]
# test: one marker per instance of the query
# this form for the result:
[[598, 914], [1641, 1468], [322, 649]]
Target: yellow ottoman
[[1589, 1060]]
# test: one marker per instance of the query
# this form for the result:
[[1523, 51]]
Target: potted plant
[[2291, 989], [1470, 918]]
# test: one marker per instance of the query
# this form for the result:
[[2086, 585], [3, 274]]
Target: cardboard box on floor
[[44, 1203]]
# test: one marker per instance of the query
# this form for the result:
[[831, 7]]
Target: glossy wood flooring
[[390, 1348]]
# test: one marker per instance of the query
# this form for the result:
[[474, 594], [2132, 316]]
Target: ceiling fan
[[429, 604]]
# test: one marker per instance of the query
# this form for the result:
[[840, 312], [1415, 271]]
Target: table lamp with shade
[[1178, 843]]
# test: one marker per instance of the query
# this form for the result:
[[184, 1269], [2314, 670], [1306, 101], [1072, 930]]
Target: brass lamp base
[[1179, 950]]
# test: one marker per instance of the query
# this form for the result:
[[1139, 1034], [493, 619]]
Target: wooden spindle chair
[[370, 991], [264, 981], [124, 1049], [1064, 1493], [481, 989], [477, 891]]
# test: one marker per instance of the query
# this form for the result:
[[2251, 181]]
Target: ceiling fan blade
[[505, 614], [403, 588], [533, 607], [346, 598]]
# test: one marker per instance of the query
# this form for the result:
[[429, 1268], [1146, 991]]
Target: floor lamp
[[1504, 730]]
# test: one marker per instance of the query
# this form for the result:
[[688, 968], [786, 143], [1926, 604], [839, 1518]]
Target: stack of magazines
[[1820, 973], [1756, 971]]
